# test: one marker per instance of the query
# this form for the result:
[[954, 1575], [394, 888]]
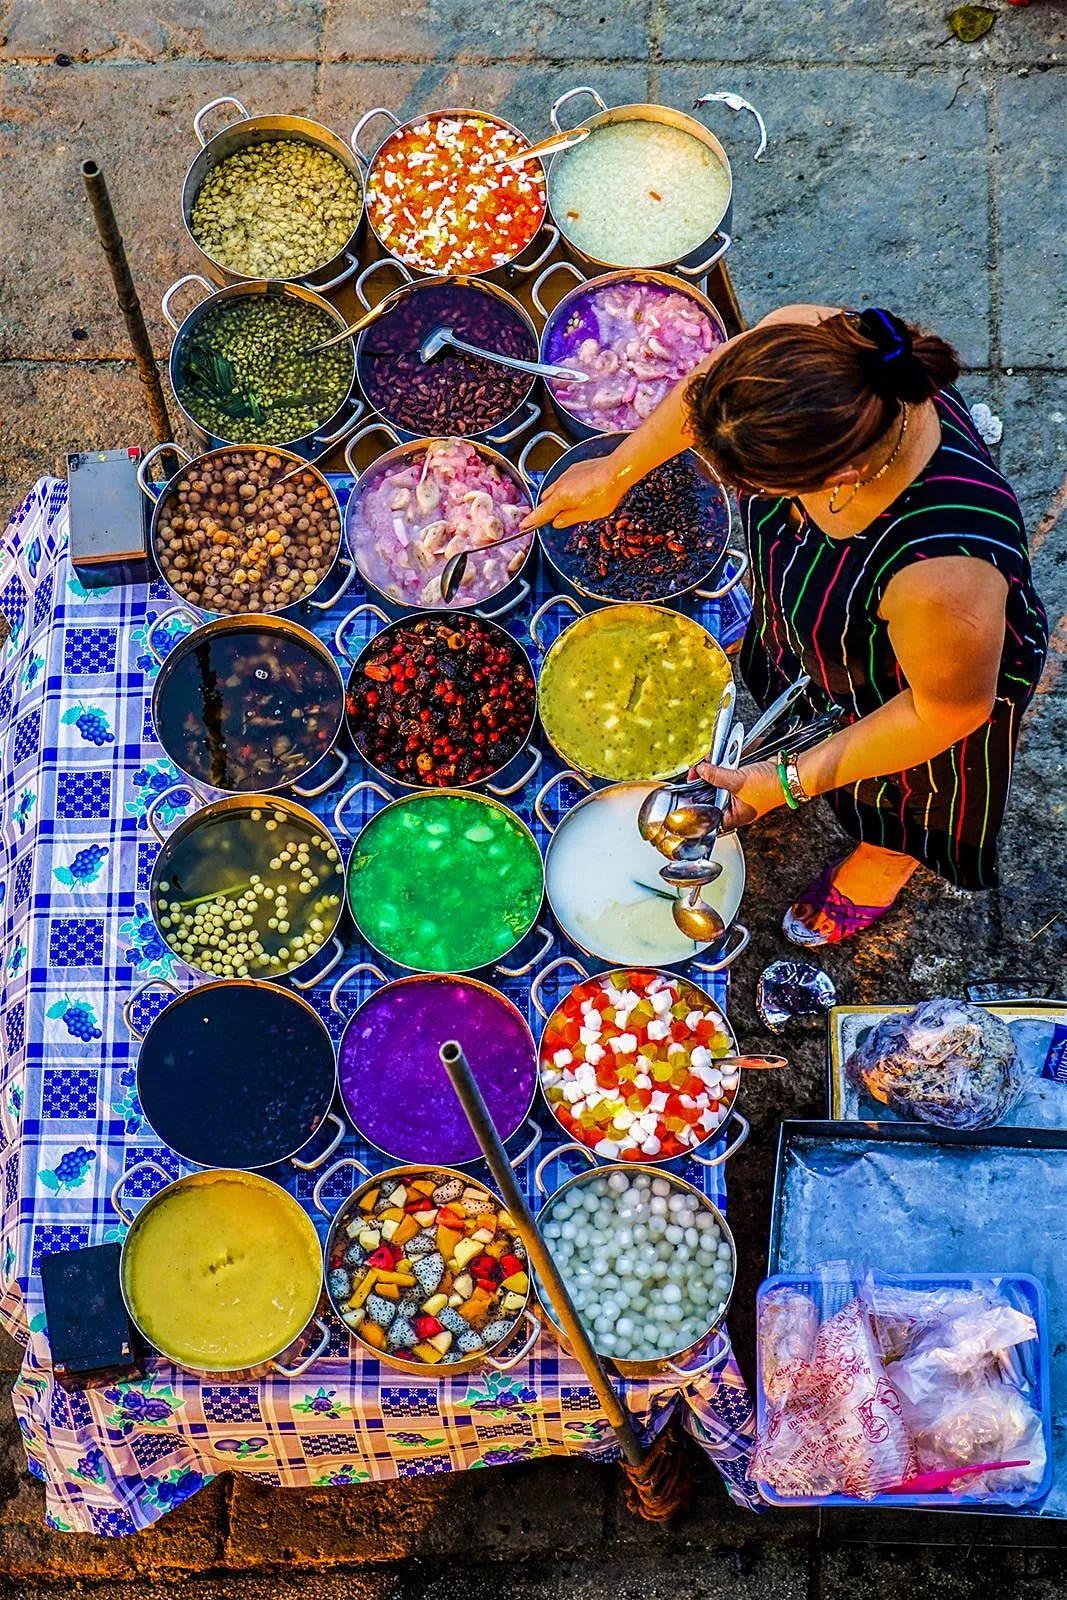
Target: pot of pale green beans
[[240, 371]]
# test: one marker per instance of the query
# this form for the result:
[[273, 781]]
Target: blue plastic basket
[[1033, 1357]]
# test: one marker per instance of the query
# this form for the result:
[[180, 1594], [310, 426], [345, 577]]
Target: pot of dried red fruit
[[468, 395], [426, 1270], [665, 543], [243, 529], [440, 700]]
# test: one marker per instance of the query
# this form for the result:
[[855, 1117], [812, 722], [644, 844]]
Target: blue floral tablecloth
[[80, 765]]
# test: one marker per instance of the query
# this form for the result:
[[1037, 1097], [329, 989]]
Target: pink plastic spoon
[[931, 1482]]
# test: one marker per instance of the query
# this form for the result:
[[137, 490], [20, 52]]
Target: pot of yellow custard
[[221, 1271]]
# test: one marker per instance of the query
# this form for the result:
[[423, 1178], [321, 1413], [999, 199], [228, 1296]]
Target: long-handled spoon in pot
[[546, 147], [346, 333], [442, 338], [456, 565]]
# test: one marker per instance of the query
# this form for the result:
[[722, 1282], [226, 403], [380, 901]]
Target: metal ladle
[[442, 338], [692, 915], [456, 565]]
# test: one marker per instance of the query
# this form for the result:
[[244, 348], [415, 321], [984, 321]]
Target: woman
[[889, 562]]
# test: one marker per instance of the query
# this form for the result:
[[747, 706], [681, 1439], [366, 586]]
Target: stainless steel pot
[[502, 791], [338, 1234], [584, 287], [331, 430], [237, 806], [729, 1099], [524, 1124], [159, 496], [136, 1222], [714, 246], [245, 130], [725, 894], [518, 421], [507, 599], [715, 1332], [203, 633], [714, 497], [542, 243]]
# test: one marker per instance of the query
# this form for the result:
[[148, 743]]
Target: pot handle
[[176, 788], [740, 559], [139, 994], [533, 1140], [720, 1352], [503, 790], [523, 269], [374, 426], [309, 983], [324, 1177], [546, 789], [537, 957], [544, 608], [744, 1127], [320, 1160], [351, 266], [725, 241], [350, 972], [520, 597], [552, 268], [505, 1363], [342, 627], [735, 102], [346, 583], [531, 445], [727, 961], [532, 415], [538, 983], [150, 455], [179, 283], [327, 783], [350, 794], [223, 100], [561, 1149], [365, 120], [572, 94], [166, 616], [368, 273], [324, 442], [147, 1165], [309, 1360]]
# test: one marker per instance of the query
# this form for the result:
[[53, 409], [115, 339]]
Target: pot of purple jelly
[[393, 1087]]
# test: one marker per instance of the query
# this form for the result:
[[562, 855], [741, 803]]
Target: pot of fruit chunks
[[426, 1269]]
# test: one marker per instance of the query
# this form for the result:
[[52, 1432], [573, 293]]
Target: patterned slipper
[[822, 899]]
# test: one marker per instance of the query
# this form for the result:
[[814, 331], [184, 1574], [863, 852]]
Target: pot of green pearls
[[247, 887]]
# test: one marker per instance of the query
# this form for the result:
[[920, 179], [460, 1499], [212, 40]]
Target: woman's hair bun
[[900, 362]]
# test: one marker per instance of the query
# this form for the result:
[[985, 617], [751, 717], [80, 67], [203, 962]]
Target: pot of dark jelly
[[665, 542], [236, 1073], [247, 704], [454, 392]]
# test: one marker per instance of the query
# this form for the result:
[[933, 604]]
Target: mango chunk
[[428, 1352]]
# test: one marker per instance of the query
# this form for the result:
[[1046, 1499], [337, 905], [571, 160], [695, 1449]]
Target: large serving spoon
[[346, 333], [546, 147], [442, 338], [456, 565]]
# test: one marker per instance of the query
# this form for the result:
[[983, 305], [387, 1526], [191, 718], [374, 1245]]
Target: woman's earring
[[834, 505]]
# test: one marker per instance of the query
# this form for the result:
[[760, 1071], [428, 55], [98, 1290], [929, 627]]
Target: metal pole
[[130, 306], [470, 1097]]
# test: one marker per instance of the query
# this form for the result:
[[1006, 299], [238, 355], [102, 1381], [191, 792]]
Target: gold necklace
[[862, 483]]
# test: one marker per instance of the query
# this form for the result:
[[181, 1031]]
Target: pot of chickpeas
[[243, 529]]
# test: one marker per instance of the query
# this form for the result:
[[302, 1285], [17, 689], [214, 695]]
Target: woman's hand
[[585, 492], [753, 790]]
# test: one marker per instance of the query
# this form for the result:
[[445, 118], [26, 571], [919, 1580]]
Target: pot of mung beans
[[243, 368], [276, 197], [243, 529], [468, 395], [247, 887], [648, 187]]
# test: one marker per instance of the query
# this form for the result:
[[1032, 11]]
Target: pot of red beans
[[437, 201], [465, 395], [635, 335], [666, 541], [440, 700]]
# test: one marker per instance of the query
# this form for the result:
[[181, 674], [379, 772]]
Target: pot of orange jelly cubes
[[627, 1065], [426, 1270]]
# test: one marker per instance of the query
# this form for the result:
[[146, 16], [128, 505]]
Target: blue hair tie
[[890, 336]]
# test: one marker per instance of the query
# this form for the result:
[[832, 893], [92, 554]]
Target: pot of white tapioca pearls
[[649, 1262]]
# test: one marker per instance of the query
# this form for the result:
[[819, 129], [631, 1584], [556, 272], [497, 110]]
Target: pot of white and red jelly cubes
[[628, 1065], [425, 1269], [422, 502], [649, 1262]]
